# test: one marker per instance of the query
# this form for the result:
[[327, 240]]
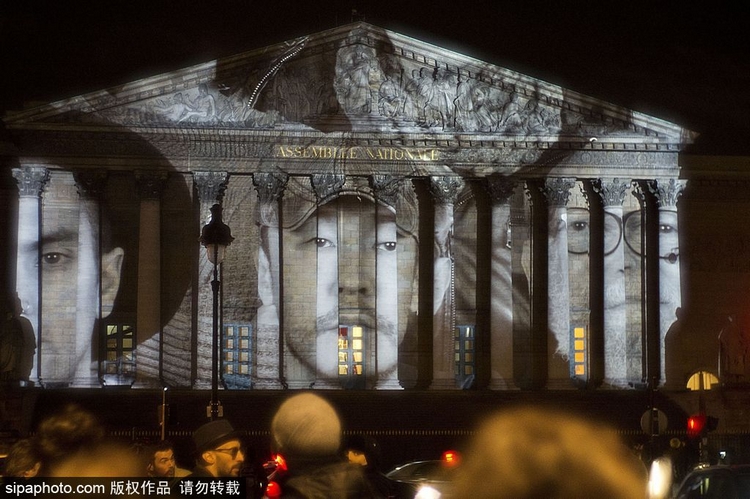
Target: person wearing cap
[[218, 450], [306, 431]]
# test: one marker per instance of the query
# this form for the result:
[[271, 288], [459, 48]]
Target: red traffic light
[[273, 490], [696, 424], [450, 458]]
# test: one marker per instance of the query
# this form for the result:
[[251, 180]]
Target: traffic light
[[695, 425], [700, 424]]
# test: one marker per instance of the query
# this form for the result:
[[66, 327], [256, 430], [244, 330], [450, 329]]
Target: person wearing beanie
[[306, 431]]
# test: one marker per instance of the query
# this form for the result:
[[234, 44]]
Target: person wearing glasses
[[218, 450]]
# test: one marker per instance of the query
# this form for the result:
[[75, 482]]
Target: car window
[[743, 486], [708, 485]]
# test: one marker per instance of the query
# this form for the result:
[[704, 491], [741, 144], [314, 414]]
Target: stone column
[[444, 190], [557, 193], [386, 190], [501, 284], [667, 192], [148, 322], [210, 187], [616, 352], [31, 181], [269, 358], [90, 185], [326, 186]]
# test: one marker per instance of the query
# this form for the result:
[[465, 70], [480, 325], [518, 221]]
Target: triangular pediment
[[358, 78]]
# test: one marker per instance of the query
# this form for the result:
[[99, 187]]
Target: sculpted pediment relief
[[357, 78]]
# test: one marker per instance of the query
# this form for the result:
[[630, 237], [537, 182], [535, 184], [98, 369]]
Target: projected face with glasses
[[628, 231]]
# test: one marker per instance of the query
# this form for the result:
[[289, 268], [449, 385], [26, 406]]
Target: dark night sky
[[685, 62]]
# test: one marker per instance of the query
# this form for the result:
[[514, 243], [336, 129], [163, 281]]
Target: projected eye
[[579, 226], [387, 246], [322, 242], [52, 258], [666, 229]]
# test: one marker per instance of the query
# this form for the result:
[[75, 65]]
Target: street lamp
[[215, 236]]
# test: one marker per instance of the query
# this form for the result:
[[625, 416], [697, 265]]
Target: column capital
[[150, 184], [557, 190], [386, 188], [90, 183], [667, 192], [500, 189], [611, 191], [445, 188], [270, 186], [31, 180], [326, 185], [210, 185]]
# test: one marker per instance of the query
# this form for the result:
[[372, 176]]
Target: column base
[[502, 384], [388, 384], [443, 384], [202, 384], [326, 384], [267, 384]]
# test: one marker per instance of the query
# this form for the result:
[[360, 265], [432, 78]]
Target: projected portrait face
[[362, 265], [628, 231], [68, 262], [669, 258]]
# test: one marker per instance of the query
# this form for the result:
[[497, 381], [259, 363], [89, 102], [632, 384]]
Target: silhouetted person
[[22, 460], [528, 452], [11, 344], [365, 451], [306, 431]]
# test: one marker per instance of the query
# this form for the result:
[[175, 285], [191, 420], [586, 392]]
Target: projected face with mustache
[[359, 253]]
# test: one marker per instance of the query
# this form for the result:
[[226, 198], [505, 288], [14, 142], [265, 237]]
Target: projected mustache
[[366, 319]]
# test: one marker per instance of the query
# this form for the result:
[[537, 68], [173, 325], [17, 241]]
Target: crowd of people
[[522, 452]]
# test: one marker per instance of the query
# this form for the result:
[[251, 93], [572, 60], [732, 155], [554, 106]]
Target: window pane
[[357, 345]]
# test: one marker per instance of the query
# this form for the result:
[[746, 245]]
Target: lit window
[[702, 380], [118, 366], [464, 355], [579, 357], [237, 356], [352, 356]]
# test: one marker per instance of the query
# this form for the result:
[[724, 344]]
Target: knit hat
[[212, 434], [306, 425]]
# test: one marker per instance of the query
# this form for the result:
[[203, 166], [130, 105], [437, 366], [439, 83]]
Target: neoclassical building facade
[[404, 217]]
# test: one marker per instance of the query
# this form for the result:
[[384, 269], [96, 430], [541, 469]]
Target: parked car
[[424, 479], [716, 482]]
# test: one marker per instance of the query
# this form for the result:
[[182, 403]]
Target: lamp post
[[215, 236]]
